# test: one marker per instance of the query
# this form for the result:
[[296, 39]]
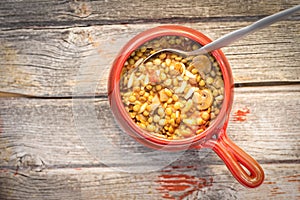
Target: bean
[[175, 97], [177, 105], [161, 112], [202, 83], [132, 98], [156, 118], [157, 61], [150, 128], [199, 131], [168, 82], [162, 56], [205, 116], [168, 62], [209, 80], [168, 111], [143, 126], [168, 92], [136, 107], [146, 113], [163, 76], [162, 122]]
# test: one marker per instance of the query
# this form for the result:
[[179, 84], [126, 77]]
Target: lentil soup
[[170, 96]]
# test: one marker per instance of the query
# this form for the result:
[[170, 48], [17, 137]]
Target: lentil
[[156, 118], [168, 111], [177, 105], [202, 83], [132, 98], [205, 116]]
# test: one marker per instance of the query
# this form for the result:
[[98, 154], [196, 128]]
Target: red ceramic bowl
[[213, 137]]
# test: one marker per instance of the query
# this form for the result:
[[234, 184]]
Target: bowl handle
[[235, 159]]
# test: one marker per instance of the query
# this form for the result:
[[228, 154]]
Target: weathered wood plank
[[53, 48], [189, 182], [32, 14], [53, 132], [60, 61]]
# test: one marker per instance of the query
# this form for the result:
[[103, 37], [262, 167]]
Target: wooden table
[[50, 48]]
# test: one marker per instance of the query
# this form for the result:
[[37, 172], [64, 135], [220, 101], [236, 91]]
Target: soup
[[170, 96]]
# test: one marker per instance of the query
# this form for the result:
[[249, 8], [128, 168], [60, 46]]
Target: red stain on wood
[[184, 167], [190, 167], [179, 186], [3, 170], [240, 114]]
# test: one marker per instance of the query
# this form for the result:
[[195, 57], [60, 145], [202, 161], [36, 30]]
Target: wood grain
[[190, 182], [53, 132], [76, 61], [69, 13], [59, 141]]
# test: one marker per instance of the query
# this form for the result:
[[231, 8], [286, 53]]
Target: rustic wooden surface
[[48, 49]]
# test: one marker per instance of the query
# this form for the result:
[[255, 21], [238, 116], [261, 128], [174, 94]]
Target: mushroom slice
[[202, 63], [203, 99]]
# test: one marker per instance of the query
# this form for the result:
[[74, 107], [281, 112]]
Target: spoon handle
[[235, 35]]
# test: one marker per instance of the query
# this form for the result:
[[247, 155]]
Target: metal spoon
[[233, 36]]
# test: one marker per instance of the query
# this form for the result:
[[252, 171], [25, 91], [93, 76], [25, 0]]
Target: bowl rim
[[117, 105]]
